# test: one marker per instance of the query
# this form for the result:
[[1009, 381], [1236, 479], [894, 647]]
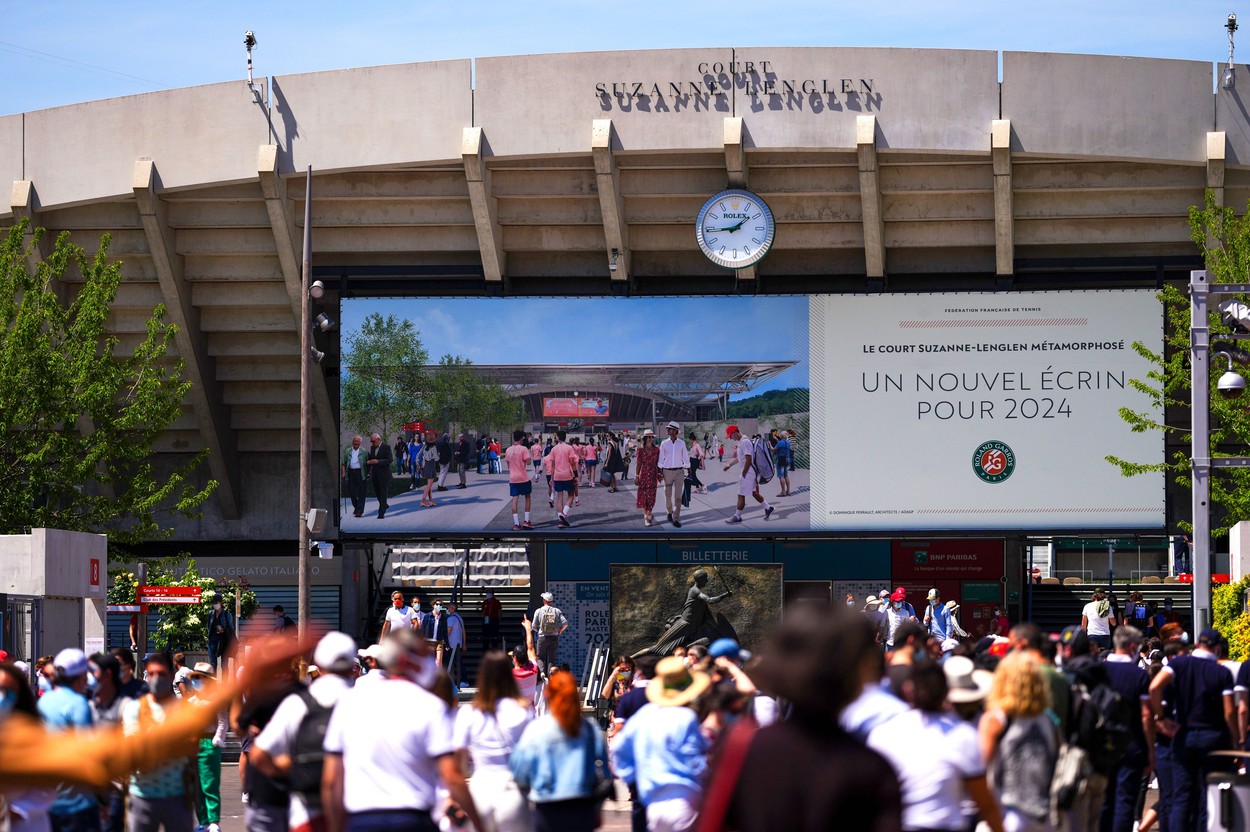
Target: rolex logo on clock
[[735, 229]]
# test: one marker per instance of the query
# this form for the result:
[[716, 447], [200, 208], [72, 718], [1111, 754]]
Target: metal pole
[[305, 430], [1200, 448], [1110, 566]]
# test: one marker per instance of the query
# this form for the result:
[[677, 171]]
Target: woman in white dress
[[486, 732]]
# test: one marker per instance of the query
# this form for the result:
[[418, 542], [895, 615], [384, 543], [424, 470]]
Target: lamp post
[[305, 431], [1201, 461]]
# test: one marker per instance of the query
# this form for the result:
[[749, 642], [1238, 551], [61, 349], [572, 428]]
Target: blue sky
[[59, 52], [605, 330]]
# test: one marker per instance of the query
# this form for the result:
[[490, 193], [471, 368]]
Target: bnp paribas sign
[[710, 84]]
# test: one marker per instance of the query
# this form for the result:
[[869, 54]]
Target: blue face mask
[[44, 685], [197, 684], [8, 701]]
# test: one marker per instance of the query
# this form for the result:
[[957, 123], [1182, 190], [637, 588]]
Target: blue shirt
[[662, 752], [783, 453], [1198, 688], [551, 765], [939, 621], [874, 706], [64, 709]]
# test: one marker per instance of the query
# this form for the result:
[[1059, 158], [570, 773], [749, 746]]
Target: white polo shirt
[[389, 764], [401, 618]]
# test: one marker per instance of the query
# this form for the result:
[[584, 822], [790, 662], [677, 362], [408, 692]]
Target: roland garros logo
[[993, 461]]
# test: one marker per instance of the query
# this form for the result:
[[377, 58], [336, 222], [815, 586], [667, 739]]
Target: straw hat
[[676, 684], [964, 682], [873, 601], [204, 669]]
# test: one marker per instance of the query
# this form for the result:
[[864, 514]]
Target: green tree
[[181, 626], [381, 375], [79, 415], [1225, 241], [454, 395]]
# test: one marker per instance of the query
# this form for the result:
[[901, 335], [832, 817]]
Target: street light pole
[[305, 430]]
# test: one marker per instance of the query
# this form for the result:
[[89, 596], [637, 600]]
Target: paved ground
[[615, 813], [485, 505]]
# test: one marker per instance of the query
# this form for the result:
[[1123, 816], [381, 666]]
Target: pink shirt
[[536, 452], [562, 462], [590, 453], [518, 457]]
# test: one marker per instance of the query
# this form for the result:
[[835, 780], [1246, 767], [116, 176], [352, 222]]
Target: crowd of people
[[839, 722], [567, 464]]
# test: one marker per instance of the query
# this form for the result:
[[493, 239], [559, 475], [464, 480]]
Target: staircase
[[1059, 606], [443, 572]]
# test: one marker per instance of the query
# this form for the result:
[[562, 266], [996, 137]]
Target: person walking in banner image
[[562, 468], [697, 455], [748, 485], [674, 464], [647, 474], [427, 458], [379, 463], [519, 485], [352, 466], [615, 463], [785, 461]]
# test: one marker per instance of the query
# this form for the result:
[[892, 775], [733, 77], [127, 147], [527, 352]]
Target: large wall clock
[[735, 229]]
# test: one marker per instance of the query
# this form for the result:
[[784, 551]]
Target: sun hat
[[964, 682], [203, 669], [873, 600], [648, 432], [335, 652], [730, 431], [675, 684], [951, 606], [71, 661], [673, 426]]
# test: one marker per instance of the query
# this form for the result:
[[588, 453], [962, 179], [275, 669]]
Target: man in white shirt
[[674, 463], [398, 617], [384, 772], [748, 480], [290, 745], [352, 467]]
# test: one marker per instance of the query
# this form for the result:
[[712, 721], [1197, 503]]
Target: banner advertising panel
[[576, 407], [471, 371], [982, 411]]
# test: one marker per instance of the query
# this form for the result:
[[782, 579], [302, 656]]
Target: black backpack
[[1100, 722], [307, 754]]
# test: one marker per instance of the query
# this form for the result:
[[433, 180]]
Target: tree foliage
[[181, 626], [1225, 241], [772, 403], [79, 415], [388, 382], [1231, 619]]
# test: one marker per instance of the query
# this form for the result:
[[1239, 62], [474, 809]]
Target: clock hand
[[734, 228], [715, 230]]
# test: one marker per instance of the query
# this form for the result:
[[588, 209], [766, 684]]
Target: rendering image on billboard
[[575, 407], [982, 411], [592, 385]]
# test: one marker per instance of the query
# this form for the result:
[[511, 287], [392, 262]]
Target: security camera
[[249, 39], [1236, 314], [1231, 385], [1231, 25]]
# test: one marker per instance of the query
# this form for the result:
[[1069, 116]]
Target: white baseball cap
[[336, 652], [71, 661]]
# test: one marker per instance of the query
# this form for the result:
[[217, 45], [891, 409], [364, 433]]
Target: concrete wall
[[1066, 105], [1099, 106], [69, 571], [195, 135], [382, 115]]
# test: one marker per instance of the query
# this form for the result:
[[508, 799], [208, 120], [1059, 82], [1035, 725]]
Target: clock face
[[735, 229]]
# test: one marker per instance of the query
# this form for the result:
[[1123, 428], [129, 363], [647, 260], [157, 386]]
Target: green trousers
[[208, 802]]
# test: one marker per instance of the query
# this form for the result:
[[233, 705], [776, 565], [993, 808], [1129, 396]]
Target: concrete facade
[[886, 169], [69, 572]]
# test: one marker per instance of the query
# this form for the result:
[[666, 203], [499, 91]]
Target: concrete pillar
[[1239, 551]]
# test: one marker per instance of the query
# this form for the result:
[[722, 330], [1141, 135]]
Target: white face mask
[[425, 673]]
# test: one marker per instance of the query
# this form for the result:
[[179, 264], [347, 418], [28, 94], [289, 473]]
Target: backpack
[[550, 624], [1100, 724], [762, 459], [307, 754]]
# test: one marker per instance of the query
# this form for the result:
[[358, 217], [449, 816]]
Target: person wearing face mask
[[132, 687], [896, 614], [435, 627], [384, 774], [66, 708], [937, 618], [220, 632], [107, 702], [200, 683], [158, 795]]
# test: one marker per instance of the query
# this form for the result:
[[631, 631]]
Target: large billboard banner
[[981, 411], [576, 407]]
